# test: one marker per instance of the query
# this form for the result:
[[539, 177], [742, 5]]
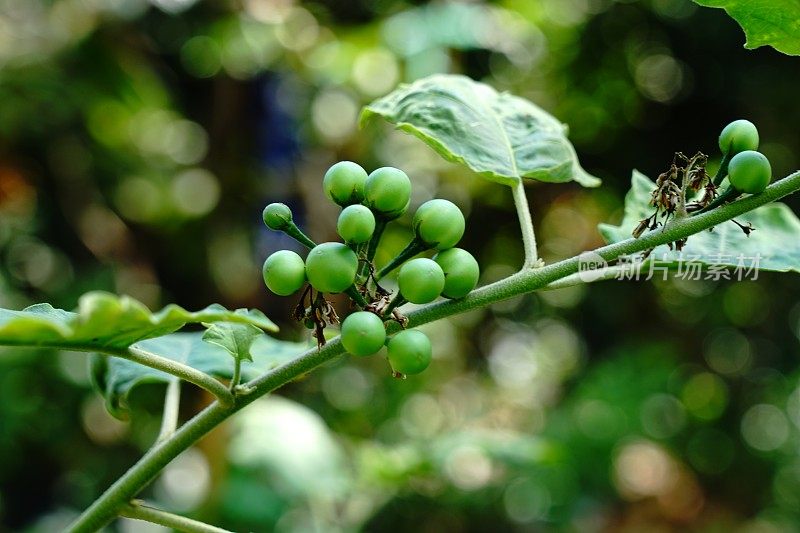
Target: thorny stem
[[139, 511], [172, 403], [110, 504], [526, 225]]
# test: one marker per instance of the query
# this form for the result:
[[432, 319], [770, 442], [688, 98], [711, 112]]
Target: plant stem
[[525, 224], [356, 296], [147, 468], [172, 403], [394, 304], [722, 171], [185, 372], [580, 278], [297, 234], [413, 248], [727, 195], [237, 374], [380, 225], [139, 511]]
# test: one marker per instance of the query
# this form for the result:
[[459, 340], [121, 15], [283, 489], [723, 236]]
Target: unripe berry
[[388, 192], [420, 280], [439, 223], [284, 272], [344, 183], [363, 333], [461, 272], [409, 352], [277, 216], [356, 224], [749, 172], [738, 136], [331, 267]]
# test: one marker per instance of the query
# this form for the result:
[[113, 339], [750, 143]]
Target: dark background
[[140, 141]]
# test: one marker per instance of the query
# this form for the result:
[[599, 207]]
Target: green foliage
[[765, 22], [774, 240], [236, 339], [502, 137], [115, 378], [107, 321]]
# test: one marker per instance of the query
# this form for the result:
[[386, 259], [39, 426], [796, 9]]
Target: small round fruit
[[363, 333], [439, 223], [461, 272], [331, 267], [284, 272], [409, 352], [388, 192], [356, 224], [420, 280], [738, 136], [749, 172], [277, 216], [344, 183]]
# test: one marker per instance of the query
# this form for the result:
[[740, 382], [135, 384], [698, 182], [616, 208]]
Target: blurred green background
[[140, 140]]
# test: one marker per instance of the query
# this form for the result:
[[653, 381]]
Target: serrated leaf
[[772, 246], [105, 320], [500, 136], [115, 378], [774, 23], [236, 339]]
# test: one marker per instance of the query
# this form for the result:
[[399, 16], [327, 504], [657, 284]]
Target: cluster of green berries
[[748, 171], [369, 202]]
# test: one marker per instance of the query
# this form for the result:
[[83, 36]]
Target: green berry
[[738, 136], [749, 172], [344, 183], [356, 224], [420, 280], [388, 192], [461, 272], [363, 333], [277, 216], [284, 272], [331, 267], [439, 224], [409, 352]]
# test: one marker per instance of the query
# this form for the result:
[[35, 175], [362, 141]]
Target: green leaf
[[773, 245], [500, 136], [105, 320], [236, 339], [774, 23], [115, 378]]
